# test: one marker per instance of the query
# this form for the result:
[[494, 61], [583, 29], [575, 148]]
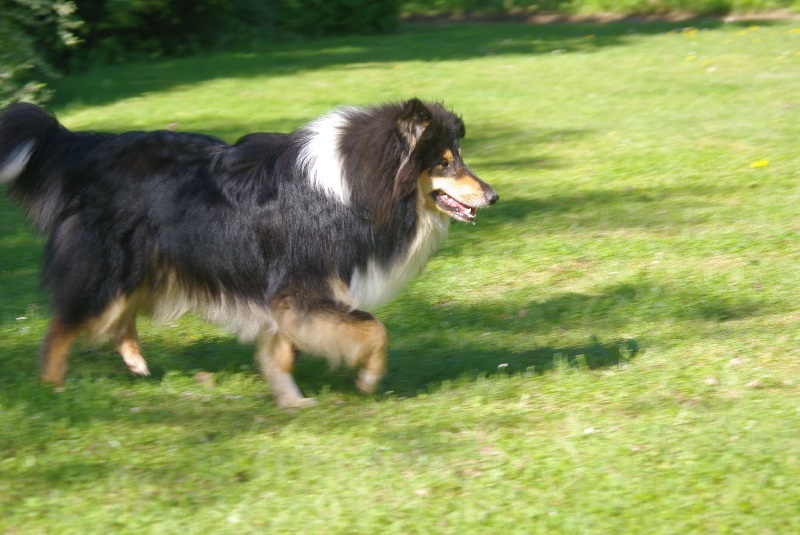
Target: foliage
[[119, 29], [31, 32], [338, 17]]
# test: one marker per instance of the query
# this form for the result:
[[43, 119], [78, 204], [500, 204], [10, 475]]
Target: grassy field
[[613, 348]]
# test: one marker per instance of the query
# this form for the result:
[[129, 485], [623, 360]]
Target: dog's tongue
[[461, 209]]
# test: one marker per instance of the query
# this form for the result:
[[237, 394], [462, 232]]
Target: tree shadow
[[427, 43], [658, 209]]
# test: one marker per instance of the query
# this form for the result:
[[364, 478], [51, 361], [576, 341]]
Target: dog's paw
[[367, 381], [140, 368], [136, 364], [293, 402]]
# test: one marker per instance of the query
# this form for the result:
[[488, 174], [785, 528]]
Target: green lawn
[[613, 348]]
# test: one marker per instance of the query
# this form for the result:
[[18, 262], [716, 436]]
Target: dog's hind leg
[[275, 355], [355, 337], [118, 321], [126, 342], [55, 350]]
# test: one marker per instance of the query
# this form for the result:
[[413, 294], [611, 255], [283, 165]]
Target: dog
[[288, 239]]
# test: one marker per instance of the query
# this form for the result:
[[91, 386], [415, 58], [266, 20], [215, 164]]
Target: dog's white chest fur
[[377, 285]]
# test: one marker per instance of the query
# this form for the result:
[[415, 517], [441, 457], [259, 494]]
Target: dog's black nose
[[491, 196]]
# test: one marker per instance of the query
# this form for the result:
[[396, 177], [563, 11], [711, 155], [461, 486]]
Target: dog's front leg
[[354, 337], [275, 355]]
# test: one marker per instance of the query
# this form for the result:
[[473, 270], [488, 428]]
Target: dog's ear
[[413, 121]]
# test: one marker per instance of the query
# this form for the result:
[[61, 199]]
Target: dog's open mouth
[[454, 208]]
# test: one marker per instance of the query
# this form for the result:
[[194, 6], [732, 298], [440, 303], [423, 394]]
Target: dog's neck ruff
[[377, 284], [320, 155]]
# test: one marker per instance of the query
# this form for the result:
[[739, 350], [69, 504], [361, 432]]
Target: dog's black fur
[[305, 228]]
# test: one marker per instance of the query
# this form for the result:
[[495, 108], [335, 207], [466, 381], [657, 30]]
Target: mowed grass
[[613, 348]]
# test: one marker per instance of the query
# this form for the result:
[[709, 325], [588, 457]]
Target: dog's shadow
[[412, 370], [419, 362]]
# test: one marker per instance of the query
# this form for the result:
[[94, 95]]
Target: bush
[[116, 30], [37, 34], [32, 33], [337, 17]]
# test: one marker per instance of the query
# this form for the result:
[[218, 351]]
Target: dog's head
[[433, 165]]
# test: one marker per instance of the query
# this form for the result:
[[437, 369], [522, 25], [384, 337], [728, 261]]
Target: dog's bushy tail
[[34, 159]]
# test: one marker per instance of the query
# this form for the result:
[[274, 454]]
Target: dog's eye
[[445, 163]]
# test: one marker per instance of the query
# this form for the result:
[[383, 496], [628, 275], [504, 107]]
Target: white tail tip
[[16, 161]]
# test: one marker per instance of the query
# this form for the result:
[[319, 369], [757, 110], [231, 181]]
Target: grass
[[612, 349]]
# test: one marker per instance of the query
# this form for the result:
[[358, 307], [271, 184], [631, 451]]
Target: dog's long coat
[[285, 238]]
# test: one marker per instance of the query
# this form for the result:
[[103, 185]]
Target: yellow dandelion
[[690, 31], [691, 58], [759, 163], [794, 30]]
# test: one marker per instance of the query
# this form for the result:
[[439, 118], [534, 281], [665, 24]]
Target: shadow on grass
[[435, 342], [415, 371], [431, 344], [411, 369], [658, 209], [426, 43]]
